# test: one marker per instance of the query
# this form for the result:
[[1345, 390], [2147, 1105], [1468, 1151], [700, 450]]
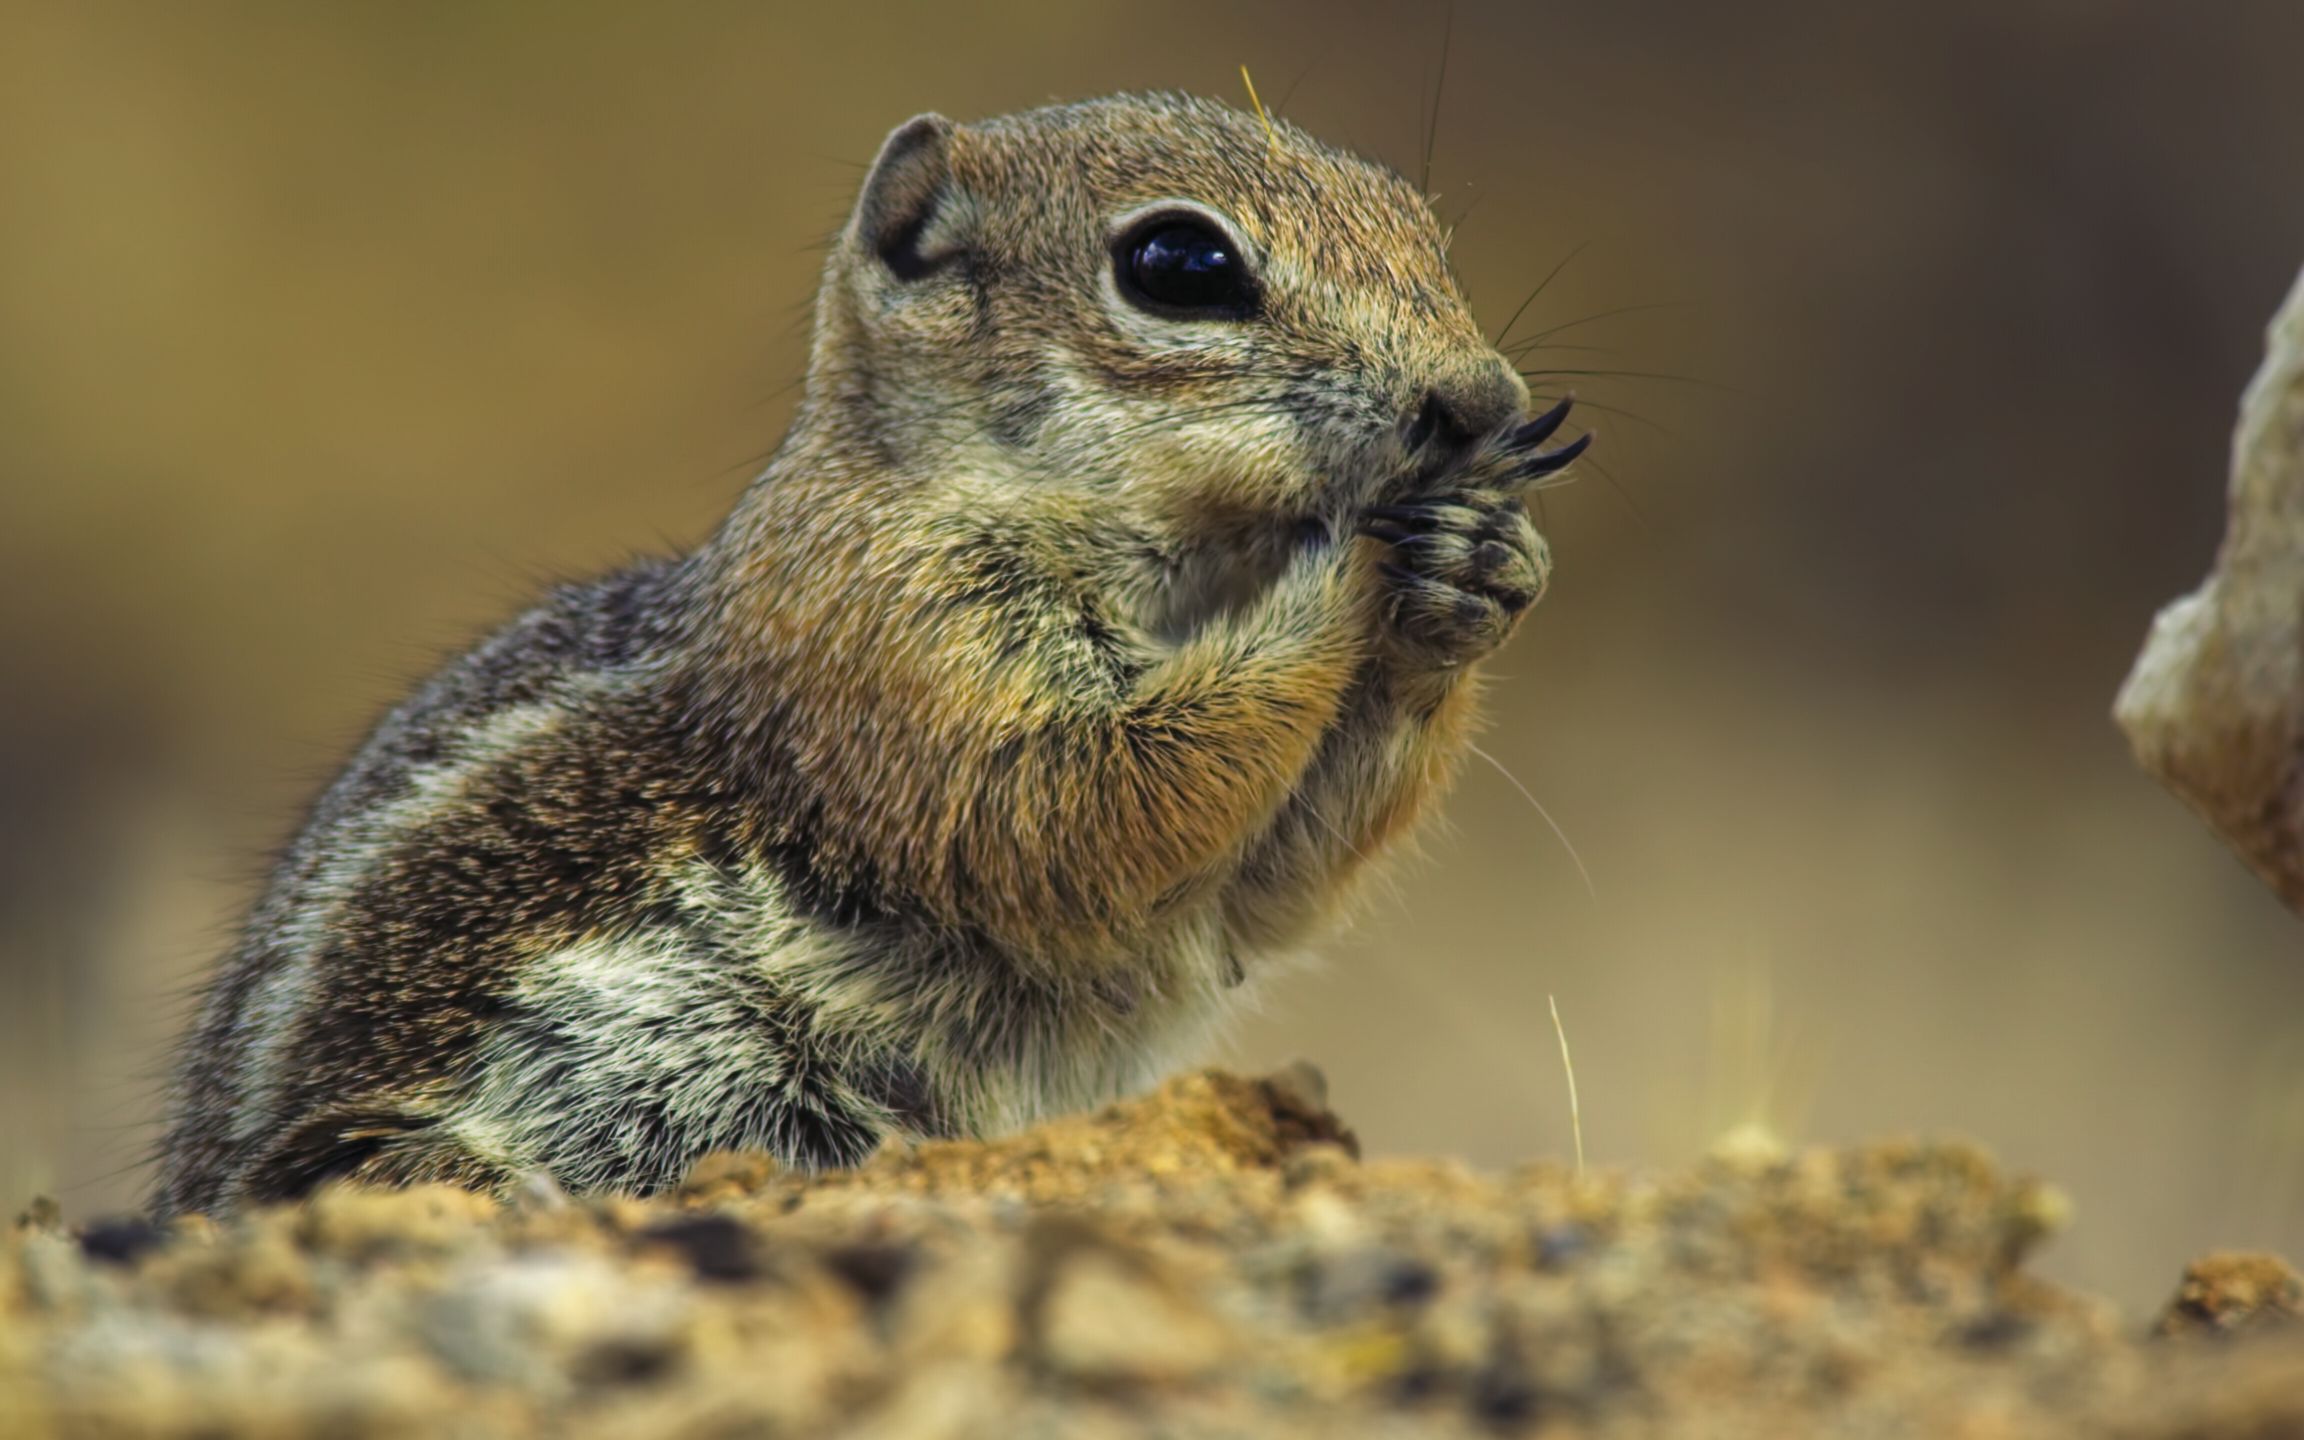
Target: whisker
[[1633, 415], [1696, 380], [1228, 407], [1330, 826], [1565, 843], [1466, 213], [779, 392], [1542, 335], [1289, 93], [1549, 277], [1638, 511], [1439, 89]]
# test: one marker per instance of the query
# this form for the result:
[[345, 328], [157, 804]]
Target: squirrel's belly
[[620, 1060]]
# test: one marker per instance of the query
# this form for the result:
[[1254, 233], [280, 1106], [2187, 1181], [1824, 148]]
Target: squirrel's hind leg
[[374, 1143]]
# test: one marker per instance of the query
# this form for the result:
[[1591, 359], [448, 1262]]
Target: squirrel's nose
[[1459, 410]]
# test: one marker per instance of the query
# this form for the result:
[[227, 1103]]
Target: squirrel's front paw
[[1466, 561], [1465, 565]]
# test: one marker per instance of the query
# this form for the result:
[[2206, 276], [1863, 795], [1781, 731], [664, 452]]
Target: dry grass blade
[[1575, 1111]]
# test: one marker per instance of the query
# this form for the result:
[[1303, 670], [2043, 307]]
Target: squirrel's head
[[1156, 299]]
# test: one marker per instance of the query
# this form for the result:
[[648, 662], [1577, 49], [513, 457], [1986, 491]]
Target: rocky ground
[[1212, 1260]]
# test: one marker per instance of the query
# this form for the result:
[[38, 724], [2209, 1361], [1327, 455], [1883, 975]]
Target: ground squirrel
[[1114, 597]]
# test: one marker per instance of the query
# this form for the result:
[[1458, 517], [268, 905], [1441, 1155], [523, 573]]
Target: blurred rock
[[1102, 1314], [548, 1323], [1175, 1265], [2229, 1292], [716, 1247], [2215, 704], [121, 1239]]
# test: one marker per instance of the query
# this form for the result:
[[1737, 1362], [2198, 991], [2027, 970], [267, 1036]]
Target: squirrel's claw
[[1540, 429], [1535, 467]]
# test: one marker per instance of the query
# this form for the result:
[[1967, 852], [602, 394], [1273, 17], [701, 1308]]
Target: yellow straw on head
[[1271, 136]]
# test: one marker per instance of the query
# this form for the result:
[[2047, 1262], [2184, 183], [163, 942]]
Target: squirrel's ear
[[897, 213]]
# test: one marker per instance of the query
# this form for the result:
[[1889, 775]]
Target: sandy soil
[[1211, 1260]]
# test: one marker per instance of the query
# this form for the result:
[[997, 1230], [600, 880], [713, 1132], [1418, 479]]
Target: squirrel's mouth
[[1387, 464], [1433, 458]]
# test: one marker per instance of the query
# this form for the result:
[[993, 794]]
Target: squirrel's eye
[[1186, 270]]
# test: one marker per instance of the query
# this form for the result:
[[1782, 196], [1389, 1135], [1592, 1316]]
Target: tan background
[[325, 330]]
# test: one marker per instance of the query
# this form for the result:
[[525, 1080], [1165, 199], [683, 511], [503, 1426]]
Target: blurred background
[[327, 332]]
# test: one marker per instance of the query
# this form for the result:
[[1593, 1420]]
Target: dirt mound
[[1211, 1260]]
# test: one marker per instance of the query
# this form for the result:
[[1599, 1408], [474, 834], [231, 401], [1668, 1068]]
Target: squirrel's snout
[[1457, 412]]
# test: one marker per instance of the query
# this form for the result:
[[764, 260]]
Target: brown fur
[[1066, 661]]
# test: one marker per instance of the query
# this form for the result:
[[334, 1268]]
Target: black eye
[[1186, 270]]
